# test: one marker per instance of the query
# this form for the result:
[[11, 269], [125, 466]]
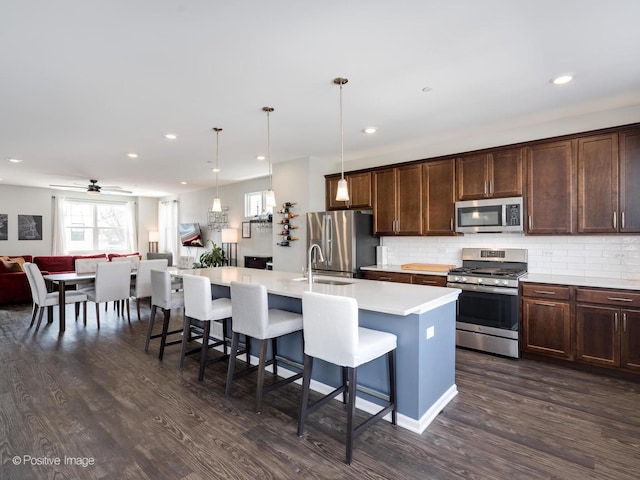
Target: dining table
[[62, 280]]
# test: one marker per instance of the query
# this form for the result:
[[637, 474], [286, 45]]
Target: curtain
[[168, 227], [58, 247], [131, 227]]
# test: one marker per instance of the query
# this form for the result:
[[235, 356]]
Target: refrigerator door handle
[[328, 253], [323, 236]]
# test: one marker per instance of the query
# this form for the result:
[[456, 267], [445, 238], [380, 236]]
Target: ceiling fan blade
[[79, 187]]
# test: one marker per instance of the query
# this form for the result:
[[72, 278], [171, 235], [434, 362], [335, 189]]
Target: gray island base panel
[[425, 367]]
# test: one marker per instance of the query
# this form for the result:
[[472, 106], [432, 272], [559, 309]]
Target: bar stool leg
[[274, 353], [235, 338], [260, 380], [351, 413], [152, 318], [204, 349], [186, 336], [392, 386], [304, 402], [165, 329]]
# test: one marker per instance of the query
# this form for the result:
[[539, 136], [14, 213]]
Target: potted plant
[[211, 258]]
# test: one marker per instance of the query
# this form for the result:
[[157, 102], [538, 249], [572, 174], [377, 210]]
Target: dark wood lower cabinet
[[546, 327], [593, 327]]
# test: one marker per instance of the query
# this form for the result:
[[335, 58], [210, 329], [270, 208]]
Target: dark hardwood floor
[[94, 395]]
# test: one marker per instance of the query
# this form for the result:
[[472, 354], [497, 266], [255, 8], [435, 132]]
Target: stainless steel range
[[488, 307]]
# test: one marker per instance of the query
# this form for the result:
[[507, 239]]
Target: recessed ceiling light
[[562, 79], [370, 130], [215, 170], [261, 157], [183, 183], [132, 155], [15, 160], [170, 136]]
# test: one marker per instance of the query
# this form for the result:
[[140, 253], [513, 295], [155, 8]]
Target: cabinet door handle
[[622, 220], [530, 223], [615, 321], [624, 322], [615, 220], [485, 187], [490, 187], [545, 292], [619, 299], [545, 304], [451, 224]]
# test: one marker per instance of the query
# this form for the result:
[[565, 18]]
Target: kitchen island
[[422, 317]]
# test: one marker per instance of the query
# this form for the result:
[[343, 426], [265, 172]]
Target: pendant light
[[342, 194], [270, 197], [217, 205]]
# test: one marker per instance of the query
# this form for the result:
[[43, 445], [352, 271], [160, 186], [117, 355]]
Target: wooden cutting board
[[432, 267]]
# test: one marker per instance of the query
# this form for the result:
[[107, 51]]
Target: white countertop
[[399, 269], [598, 282], [385, 297]]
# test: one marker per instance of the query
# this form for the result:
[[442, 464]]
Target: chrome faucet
[[319, 256]]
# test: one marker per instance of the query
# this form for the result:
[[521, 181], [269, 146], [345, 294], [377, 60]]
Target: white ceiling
[[83, 82]]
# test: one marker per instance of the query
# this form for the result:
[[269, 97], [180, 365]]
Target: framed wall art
[[29, 227], [4, 226], [246, 229]]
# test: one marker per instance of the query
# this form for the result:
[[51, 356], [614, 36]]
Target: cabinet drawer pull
[[545, 304], [619, 299], [545, 292], [430, 282], [384, 278]]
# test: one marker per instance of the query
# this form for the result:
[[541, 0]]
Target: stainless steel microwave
[[492, 215]]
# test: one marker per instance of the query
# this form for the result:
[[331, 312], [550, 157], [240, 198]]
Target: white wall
[[16, 201]]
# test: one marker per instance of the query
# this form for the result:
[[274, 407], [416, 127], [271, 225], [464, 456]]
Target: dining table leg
[[61, 316]]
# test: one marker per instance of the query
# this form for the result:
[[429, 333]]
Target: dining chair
[[164, 298], [42, 298], [113, 283], [253, 318], [141, 288], [332, 334], [199, 311]]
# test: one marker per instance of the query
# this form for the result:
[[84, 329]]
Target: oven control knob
[[496, 281], [464, 279], [456, 278], [480, 280], [505, 282]]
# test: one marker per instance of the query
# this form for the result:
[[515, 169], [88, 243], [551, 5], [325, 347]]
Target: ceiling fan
[[94, 188]]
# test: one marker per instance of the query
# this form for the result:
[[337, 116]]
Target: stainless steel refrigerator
[[346, 239]]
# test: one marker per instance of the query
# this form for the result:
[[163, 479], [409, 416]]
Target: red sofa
[[14, 287]]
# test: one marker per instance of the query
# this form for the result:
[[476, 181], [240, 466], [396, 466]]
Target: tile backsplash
[[614, 256]]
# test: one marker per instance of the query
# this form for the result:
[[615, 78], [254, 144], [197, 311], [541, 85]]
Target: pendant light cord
[[341, 134], [269, 110]]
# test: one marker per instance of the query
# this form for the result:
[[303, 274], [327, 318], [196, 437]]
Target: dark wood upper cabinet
[[438, 184], [359, 185], [598, 210], [495, 174], [629, 154], [550, 203], [397, 200]]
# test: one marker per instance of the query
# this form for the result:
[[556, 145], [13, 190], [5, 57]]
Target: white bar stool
[[331, 333], [165, 299], [253, 318], [200, 310]]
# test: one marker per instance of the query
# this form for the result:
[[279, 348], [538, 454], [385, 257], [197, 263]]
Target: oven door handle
[[483, 288]]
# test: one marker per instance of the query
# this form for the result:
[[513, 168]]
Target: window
[[254, 204], [90, 227]]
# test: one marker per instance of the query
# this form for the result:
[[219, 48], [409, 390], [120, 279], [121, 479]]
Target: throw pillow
[[12, 265]]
